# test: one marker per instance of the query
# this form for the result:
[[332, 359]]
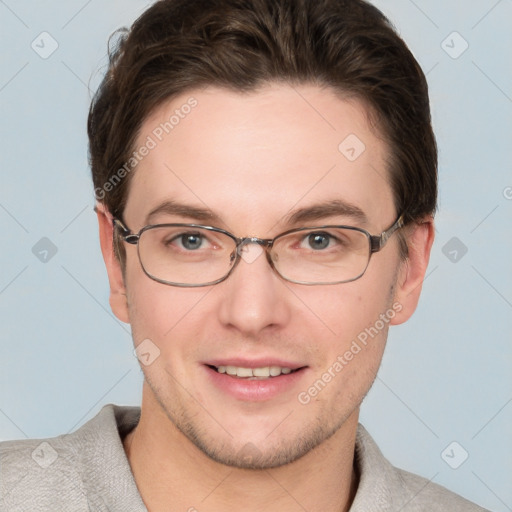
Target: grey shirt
[[88, 471]]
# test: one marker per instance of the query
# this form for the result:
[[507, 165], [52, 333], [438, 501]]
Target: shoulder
[[424, 495], [385, 487], [35, 472], [56, 473]]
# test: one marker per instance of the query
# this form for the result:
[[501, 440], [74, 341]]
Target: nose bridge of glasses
[[263, 242]]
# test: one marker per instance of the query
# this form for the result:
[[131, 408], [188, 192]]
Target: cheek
[[343, 311], [166, 323], [350, 356], [158, 311], [354, 319]]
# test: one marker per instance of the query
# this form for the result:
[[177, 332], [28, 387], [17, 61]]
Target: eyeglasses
[[192, 255]]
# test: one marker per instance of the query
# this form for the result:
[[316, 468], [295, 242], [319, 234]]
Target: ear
[[118, 299], [419, 238]]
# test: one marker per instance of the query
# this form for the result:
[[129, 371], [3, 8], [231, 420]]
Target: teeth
[[265, 372], [231, 370], [261, 372], [244, 372], [275, 370]]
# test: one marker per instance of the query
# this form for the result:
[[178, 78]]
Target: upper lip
[[254, 363]]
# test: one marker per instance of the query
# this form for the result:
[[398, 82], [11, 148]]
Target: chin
[[255, 452]]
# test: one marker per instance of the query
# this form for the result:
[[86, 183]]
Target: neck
[[173, 475]]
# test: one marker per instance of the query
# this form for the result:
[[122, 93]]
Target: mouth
[[261, 373], [256, 380]]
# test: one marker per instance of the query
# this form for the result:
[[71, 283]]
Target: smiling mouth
[[265, 372]]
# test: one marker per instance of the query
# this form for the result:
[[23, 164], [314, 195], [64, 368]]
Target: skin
[[252, 159]]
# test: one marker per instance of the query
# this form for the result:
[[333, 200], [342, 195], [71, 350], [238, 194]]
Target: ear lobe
[[420, 238], [118, 300]]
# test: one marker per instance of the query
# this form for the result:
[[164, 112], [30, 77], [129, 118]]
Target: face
[[248, 163]]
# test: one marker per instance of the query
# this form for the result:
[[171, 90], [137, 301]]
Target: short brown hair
[[348, 45]]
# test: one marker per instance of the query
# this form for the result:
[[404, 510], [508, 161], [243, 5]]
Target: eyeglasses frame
[[376, 242]]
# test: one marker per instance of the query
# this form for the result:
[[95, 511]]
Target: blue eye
[[191, 241], [319, 241]]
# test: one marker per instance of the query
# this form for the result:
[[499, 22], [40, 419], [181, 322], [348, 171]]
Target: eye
[[189, 241], [319, 241]]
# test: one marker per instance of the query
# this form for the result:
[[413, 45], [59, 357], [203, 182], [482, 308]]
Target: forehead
[[254, 157]]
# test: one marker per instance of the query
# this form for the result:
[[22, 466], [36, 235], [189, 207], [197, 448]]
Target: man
[[266, 180]]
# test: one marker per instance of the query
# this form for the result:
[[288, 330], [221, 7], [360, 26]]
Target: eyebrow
[[334, 208], [183, 210]]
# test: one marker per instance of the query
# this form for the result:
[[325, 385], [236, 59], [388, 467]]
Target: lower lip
[[254, 390]]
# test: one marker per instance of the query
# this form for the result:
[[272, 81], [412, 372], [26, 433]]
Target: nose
[[254, 298]]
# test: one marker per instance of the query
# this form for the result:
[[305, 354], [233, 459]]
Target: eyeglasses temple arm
[[126, 234], [377, 242]]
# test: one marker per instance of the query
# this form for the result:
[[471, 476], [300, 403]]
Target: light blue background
[[446, 375]]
